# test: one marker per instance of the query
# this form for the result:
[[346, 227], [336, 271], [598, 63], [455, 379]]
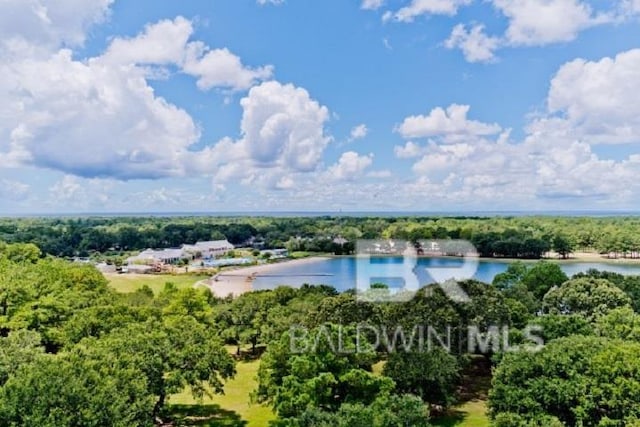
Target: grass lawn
[[299, 254], [469, 414], [231, 409], [132, 282]]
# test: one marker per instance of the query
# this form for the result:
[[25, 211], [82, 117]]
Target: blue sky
[[421, 105]]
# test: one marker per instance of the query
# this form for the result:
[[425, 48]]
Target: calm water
[[341, 272]]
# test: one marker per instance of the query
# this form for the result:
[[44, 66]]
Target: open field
[[131, 282], [234, 408], [468, 414]]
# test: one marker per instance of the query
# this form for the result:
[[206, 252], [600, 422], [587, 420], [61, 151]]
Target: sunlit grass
[[236, 398], [468, 414], [131, 282]]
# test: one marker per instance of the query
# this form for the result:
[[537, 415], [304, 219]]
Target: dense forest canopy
[[85, 355], [513, 237]]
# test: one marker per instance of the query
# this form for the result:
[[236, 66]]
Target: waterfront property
[[200, 250]]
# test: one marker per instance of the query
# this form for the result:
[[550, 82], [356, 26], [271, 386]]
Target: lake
[[340, 272]]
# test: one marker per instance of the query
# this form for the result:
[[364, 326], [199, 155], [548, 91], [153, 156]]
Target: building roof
[[214, 244], [151, 255], [169, 254]]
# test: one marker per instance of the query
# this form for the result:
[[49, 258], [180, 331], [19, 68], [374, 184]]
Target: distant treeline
[[513, 237]]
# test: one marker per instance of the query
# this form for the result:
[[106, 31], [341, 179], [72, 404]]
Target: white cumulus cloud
[[595, 101], [359, 132], [50, 23], [540, 22], [371, 4], [282, 125], [427, 7], [99, 117], [93, 120], [282, 134], [350, 166], [221, 68], [474, 43], [449, 123], [589, 103], [167, 43], [409, 150], [161, 43]]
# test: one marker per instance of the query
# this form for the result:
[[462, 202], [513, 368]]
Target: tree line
[[512, 237]]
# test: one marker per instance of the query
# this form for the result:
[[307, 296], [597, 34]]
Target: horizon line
[[333, 213]]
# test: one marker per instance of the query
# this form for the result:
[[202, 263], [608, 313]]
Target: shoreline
[[577, 257], [238, 281], [596, 257]]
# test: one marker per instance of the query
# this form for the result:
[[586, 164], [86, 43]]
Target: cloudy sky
[[290, 105]]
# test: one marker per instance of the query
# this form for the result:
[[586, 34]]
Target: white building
[[210, 249], [205, 250], [164, 256]]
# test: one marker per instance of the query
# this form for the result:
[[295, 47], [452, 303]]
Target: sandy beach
[[593, 257], [239, 280]]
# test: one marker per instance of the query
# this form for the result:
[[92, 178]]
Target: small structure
[[340, 241], [138, 269], [103, 267], [226, 262], [276, 253]]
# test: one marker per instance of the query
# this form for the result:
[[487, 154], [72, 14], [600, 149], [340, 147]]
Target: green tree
[[562, 245], [542, 277], [385, 411], [74, 390], [622, 323], [586, 296], [17, 349], [245, 319], [100, 320], [346, 308], [555, 326], [582, 381], [514, 274], [21, 252], [180, 352], [508, 419], [432, 375], [318, 368]]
